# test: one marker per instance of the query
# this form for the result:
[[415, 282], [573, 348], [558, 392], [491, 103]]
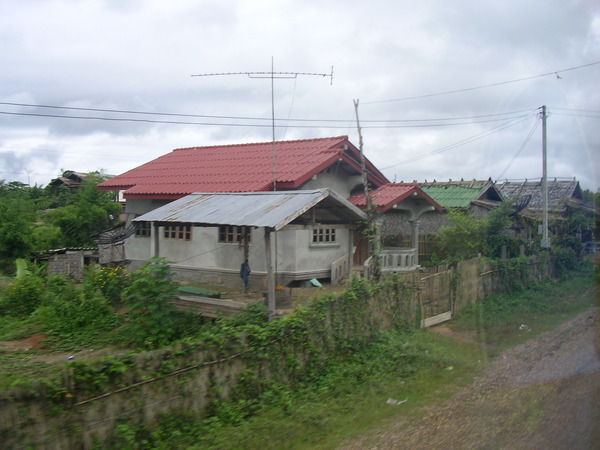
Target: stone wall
[[81, 414]]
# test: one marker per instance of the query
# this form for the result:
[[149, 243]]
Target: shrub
[[463, 238], [110, 281], [151, 321], [565, 260], [77, 319], [23, 295]]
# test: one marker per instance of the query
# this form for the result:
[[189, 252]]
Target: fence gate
[[436, 298]]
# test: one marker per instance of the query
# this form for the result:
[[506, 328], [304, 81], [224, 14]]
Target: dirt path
[[544, 394]]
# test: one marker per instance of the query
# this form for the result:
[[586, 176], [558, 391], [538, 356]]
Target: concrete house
[[476, 196], [312, 237], [293, 235], [401, 207]]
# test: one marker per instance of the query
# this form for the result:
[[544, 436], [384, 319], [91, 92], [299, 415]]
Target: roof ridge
[[249, 144]]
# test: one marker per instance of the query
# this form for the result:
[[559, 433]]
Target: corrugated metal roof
[[461, 193], [391, 194], [258, 209], [530, 192], [453, 196], [237, 168]]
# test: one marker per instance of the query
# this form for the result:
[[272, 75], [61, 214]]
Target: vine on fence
[[513, 273]]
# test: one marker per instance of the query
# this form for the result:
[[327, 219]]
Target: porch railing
[[394, 260], [340, 269]]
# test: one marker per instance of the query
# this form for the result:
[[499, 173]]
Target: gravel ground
[[543, 394]]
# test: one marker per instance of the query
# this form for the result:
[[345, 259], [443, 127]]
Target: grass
[[502, 321], [412, 368], [23, 367], [12, 328], [342, 406]]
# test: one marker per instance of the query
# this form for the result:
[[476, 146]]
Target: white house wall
[[298, 257], [204, 259], [336, 180], [135, 207]]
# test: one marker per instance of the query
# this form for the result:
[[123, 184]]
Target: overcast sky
[[446, 89]]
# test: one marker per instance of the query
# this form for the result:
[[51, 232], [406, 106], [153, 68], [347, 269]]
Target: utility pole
[[545, 242], [373, 232]]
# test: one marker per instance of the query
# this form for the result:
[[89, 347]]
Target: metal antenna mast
[[272, 75], [269, 241]]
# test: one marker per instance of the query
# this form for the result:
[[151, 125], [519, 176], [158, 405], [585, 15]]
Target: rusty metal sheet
[[259, 209]]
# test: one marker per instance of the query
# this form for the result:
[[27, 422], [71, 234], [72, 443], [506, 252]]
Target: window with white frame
[[178, 232], [230, 234], [323, 236]]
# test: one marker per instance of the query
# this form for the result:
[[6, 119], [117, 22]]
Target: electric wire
[[577, 110], [206, 116], [585, 116], [527, 139], [290, 110], [246, 125], [459, 143], [555, 73]]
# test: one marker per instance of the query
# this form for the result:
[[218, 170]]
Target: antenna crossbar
[[278, 75]]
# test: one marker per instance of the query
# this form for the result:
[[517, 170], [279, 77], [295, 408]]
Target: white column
[[270, 275], [414, 238]]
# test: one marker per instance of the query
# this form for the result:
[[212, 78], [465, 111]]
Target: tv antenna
[[272, 75]]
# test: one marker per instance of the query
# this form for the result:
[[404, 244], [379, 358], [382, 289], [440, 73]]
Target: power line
[[444, 122], [587, 116], [125, 111], [554, 73], [168, 114], [127, 119], [527, 139], [457, 144], [577, 110]]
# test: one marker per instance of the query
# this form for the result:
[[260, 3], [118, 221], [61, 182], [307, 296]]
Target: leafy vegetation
[[107, 306], [348, 397], [463, 238], [512, 317], [36, 219], [314, 374], [152, 320], [361, 389]]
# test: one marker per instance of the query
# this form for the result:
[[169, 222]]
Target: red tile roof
[[237, 168], [386, 196]]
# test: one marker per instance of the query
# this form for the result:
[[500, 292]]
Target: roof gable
[[391, 194], [238, 168]]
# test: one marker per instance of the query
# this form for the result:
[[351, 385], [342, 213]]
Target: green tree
[[462, 238], [15, 230], [497, 231], [151, 321], [92, 212], [17, 207]]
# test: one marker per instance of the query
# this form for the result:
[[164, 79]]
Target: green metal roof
[[454, 196]]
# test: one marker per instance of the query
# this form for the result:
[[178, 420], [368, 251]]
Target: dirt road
[[544, 394]]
